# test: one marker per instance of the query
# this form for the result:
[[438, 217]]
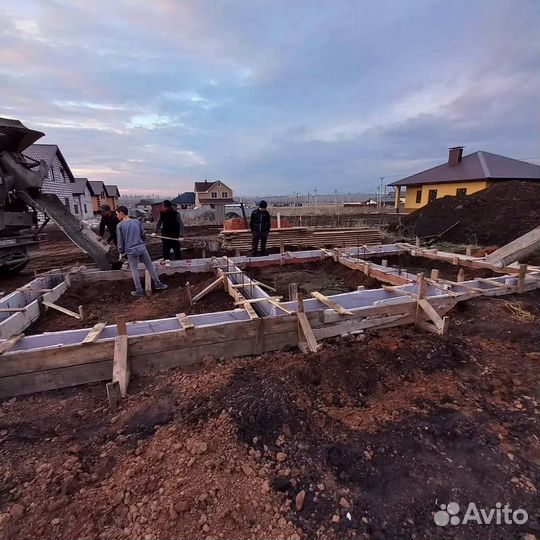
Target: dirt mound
[[364, 439], [494, 216]]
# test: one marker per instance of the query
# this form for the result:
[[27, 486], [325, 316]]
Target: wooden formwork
[[261, 324]]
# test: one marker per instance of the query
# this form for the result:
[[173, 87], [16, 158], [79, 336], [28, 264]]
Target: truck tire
[[13, 261]]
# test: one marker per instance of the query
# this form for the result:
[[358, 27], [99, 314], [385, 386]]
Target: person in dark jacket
[[170, 224], [110, 221], [260, 224]]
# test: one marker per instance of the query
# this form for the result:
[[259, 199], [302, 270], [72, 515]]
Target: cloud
[[271, 97]]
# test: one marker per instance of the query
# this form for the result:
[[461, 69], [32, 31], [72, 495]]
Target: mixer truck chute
[[21, 198]]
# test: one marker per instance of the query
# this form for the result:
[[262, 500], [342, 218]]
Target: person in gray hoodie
[[130, 237]]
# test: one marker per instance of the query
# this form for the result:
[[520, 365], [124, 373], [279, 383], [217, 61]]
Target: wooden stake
[[188, 292], [384, 262], [461, 275], [293, 292], [434, 274], [147, 283], [521, 278], [468, 251], [81, 312]]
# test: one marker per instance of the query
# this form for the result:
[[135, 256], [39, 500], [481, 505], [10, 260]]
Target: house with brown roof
[[103, 194], [214, 195], [460, 176]]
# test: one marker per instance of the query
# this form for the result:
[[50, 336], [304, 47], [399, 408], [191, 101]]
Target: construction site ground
[[326, 277], [103, 301], [363, 439]]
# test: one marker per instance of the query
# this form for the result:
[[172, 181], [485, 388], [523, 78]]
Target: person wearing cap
[[110, 221], [260, 224], [171, 226]]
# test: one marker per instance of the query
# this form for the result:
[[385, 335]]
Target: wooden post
[[384, 262], [117, 388], [300, 301], [434, 274], [147, 283], [81, 312], [188, 292], [203, 253], [417, 241], [293, 292], [468, 251], [521, 278], [461, 275]]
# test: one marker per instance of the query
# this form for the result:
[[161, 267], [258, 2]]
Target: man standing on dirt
[[109, 220], [130, 234], [170, 224], [260, 224]]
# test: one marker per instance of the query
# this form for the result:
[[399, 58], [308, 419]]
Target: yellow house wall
[[442, 191]]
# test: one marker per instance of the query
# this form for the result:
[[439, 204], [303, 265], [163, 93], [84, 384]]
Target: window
[[66, 202], [85, 209], [461, 192], [432, 195], [224, 194], [63, 173], [76, 208], [419, 196], [214, 195]]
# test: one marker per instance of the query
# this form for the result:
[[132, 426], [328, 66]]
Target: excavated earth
[[364, 439], [103, 301]]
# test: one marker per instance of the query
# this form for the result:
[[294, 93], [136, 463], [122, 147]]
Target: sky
[[271, 97]]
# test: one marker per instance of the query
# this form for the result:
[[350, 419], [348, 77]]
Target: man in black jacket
[[109, 220], [260, 224], [170, 224]]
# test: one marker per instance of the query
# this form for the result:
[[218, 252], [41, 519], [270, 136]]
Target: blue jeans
[[141, 255]]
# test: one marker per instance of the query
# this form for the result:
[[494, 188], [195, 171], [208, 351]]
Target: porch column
[[398, 198]]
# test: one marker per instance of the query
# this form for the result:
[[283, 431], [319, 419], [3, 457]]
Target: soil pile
[[494, 216], [363, 439]]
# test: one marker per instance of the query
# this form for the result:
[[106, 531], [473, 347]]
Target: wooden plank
[[94, 333], [521, 278], [212, 287], [8, 343], [64, 310], [184, 321], [493, 283], [305, 332], [121, 327], [113, 395], [330, 303], [354, 325], [430, 312], [121, 373], [279, 306], [257, 300], [293, 292], [13, 309]]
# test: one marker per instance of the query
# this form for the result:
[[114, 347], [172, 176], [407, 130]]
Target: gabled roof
[[202, 187], [112, 190], [46, 152], [96, 187], [79, 186], [477, 166], [188, 197]]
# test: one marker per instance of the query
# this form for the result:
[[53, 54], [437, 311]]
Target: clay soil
[[327, 277], [363, 439], [103, 301]]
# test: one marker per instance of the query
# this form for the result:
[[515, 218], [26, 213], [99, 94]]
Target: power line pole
[[381, 192]]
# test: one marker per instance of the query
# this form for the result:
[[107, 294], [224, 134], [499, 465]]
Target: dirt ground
[[327, 277], [415, 265], [364, 439], [103, 301]]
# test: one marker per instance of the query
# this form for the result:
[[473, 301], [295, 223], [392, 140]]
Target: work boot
[[161, 287], [137, 293]]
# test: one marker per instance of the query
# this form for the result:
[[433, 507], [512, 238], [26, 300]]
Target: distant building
[[185, 201], [82, 199], [112, 195], [213, 195], [103, 194], [462, 175], [60, 179]]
